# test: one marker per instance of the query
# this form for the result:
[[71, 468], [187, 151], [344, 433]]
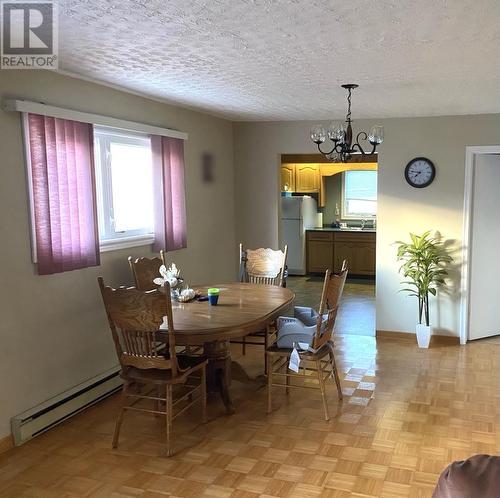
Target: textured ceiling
[[285, 60]]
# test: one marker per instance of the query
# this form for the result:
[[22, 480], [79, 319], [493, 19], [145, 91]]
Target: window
[[124, 185], [359, 194]]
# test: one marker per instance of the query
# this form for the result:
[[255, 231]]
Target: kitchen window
[[359, 194], [124, 187]]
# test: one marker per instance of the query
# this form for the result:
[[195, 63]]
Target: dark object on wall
[[207, 167], [478, 476], [420, 172]]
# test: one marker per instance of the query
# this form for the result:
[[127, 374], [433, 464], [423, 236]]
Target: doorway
[[343, 227], [480, 272]]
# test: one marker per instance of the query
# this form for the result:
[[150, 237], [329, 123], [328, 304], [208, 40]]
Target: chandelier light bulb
[[318, 134], [332, 131], [376, 135]]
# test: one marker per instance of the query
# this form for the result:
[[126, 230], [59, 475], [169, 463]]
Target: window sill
[[126, 242], [358, 218]]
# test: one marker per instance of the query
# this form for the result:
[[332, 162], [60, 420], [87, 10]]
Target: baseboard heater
[[41, 418]]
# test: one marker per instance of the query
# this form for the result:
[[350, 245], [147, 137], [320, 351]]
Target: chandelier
[[341, 136]]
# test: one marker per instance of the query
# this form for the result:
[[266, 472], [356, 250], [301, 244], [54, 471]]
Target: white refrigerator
[[298, 213]]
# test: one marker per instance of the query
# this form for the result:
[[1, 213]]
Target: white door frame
[[470, 163]]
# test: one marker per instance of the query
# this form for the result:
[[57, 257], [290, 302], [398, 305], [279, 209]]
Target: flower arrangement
[[178, 290], [172, 275]]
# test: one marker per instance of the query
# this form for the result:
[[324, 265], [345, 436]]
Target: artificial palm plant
[[423, 267]]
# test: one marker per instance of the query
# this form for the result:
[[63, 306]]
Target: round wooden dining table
[[242, 309]]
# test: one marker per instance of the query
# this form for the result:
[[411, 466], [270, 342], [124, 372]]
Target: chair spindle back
[[134, 318], [333, 287], [263, 266], [144, 270]]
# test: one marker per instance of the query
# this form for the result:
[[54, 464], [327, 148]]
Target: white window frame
[[26, 106], [113, 240], [358, 216]]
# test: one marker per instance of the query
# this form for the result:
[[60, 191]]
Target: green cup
[[213, 295]]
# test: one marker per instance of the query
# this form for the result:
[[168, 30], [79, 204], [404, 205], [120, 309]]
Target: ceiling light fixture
[[341, 136]]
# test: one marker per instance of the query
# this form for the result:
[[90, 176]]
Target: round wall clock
[[420, 172]]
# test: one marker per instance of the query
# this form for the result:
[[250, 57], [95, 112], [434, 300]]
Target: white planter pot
[[423, 335]]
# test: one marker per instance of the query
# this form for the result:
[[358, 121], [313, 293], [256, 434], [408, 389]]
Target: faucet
[[363, 223]]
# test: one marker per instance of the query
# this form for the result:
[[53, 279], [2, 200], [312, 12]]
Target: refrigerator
[[298, 213]]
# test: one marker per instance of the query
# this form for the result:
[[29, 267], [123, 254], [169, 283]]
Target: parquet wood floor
[[406, 414]]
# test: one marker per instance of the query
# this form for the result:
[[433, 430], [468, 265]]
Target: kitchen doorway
[[343, 226]]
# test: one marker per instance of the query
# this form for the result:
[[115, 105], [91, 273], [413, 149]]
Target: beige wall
[[53, 330], [401, 208]]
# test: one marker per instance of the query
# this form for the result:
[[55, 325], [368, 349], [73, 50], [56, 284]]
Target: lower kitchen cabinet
[[342, 251], [319, 251], [365, 258], [329, 249]]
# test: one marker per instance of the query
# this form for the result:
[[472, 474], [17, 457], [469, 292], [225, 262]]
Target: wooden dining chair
[[263, 266], [266, 267], [144, 270], [321, 358], [134, 318]]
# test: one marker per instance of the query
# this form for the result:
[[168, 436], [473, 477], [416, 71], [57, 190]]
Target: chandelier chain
[[348, 116]]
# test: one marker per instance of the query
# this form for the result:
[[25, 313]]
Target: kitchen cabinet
[[343, 250], [359, 250], [365, 258], [319, 251], [301, 178], [307, 178], [288, 177], [328, 249], [322, 192]]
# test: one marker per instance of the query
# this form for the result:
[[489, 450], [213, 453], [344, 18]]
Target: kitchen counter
[[330, 229]]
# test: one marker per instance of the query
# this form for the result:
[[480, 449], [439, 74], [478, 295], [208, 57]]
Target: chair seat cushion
[[187, 361], [159, 376], [320, 353]]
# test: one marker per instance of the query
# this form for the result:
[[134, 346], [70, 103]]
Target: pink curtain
[[169, 202], [62, 167]]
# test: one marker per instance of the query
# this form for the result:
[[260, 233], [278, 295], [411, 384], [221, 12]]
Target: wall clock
[[420, 172]]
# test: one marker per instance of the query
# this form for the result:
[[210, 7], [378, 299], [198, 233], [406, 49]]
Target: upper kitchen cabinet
[[307, 178], [288, 177]]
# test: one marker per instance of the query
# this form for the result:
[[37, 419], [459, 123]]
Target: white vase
[[423, 335]]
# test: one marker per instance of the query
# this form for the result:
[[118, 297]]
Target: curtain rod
[[86, 117]]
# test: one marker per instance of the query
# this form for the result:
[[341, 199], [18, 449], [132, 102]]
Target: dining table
[[242, 309]]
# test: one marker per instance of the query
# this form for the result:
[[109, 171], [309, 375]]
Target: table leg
[[219, 371]]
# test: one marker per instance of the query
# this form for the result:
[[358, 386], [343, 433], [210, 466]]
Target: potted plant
[[423, 267]]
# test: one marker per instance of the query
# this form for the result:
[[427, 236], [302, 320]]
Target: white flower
[[172, 281], [170, 275], [174, 271]]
